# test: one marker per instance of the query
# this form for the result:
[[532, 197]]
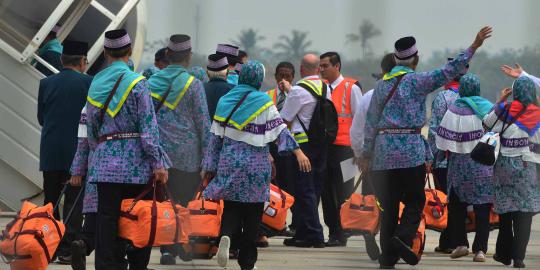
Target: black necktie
[[280, 100]]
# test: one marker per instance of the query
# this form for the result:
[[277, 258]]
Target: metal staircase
[[23, 24]]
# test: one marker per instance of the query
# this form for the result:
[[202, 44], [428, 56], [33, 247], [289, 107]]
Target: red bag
[[436, 208], [274, 217], [31, 239], [470, 221], [151, 223], [360, 214], [205, 222]]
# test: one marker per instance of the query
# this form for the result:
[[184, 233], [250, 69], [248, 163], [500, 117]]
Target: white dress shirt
[[300, 102], [536, 80], [359, 122], [356, 93]]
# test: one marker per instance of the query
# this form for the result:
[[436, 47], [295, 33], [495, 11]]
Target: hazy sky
[[437, 24]]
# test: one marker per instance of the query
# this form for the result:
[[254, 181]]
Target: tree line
[[293, 46]]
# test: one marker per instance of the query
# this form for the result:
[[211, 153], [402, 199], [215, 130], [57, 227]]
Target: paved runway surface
[[351, 257]]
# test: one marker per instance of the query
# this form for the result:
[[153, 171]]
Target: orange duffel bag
[[419, 241], [205, 222], [470, 221], [149, 223], [30, 240], [360, 214], [274, 219], [436, 208]]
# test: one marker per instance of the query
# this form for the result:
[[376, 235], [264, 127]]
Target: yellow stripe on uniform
[[113, 113]]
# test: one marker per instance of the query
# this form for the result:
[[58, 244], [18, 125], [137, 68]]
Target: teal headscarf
[[250, 80], [53, 45], [469, 85], [252, 74], [469, 92], [199, 73], [524, 90]]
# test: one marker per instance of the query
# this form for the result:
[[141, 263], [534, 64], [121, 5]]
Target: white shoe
[[223, 251], [459, 252], [479, 257]]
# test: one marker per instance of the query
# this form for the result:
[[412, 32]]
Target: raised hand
[[512, 72], [482, 35], [505, 93]]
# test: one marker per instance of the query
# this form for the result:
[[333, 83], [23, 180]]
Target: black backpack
[[323, 126]]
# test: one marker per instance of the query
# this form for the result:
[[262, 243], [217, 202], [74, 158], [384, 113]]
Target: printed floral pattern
[[243, 171], [472, 181], [129, 161], [184, 132], [438, 109], [517, 187], [406, 109]]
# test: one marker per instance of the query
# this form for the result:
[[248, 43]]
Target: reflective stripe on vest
[[273, 95], [301, 137], [315, 85], [341, 97]]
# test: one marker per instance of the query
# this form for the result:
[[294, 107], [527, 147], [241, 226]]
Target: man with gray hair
[[217, 86], [394, 148], [297, 111]]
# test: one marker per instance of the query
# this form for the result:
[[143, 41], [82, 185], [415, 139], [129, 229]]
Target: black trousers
[[285, 176], [308, 189], [183, 186], [335, 191], [248, 217], [88, 232], [110, 249], [53, 183], [514, 234], [457, 213], [445, 238], [392, 187]]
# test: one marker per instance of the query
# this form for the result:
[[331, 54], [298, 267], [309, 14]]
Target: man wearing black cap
[[50, 51], [123, 137], [394, 148], [160, 62], [61, 98], [184, 125], [231, 52], [217, 86]]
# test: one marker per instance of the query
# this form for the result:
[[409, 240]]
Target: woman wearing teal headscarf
[[469, 182], [517, 187], [238, 159]]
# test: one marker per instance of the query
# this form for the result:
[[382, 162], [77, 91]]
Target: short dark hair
[[388, 62], [71, 60], [119, 53], [334, 58], [286, 65], [178, 57], [242, 54]]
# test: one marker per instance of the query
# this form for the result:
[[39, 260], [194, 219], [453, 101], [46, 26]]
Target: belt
[[119, 136], [399, 131]]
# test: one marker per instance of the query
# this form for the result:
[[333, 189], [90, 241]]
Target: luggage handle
[[152, 186], [438, 200], [360, 179]]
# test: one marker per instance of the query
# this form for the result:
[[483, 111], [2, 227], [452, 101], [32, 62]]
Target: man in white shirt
[[357, 142], [299, 105], [346, 93]]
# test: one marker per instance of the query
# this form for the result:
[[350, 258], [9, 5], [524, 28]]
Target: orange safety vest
[[273, 95], [341, 97]]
